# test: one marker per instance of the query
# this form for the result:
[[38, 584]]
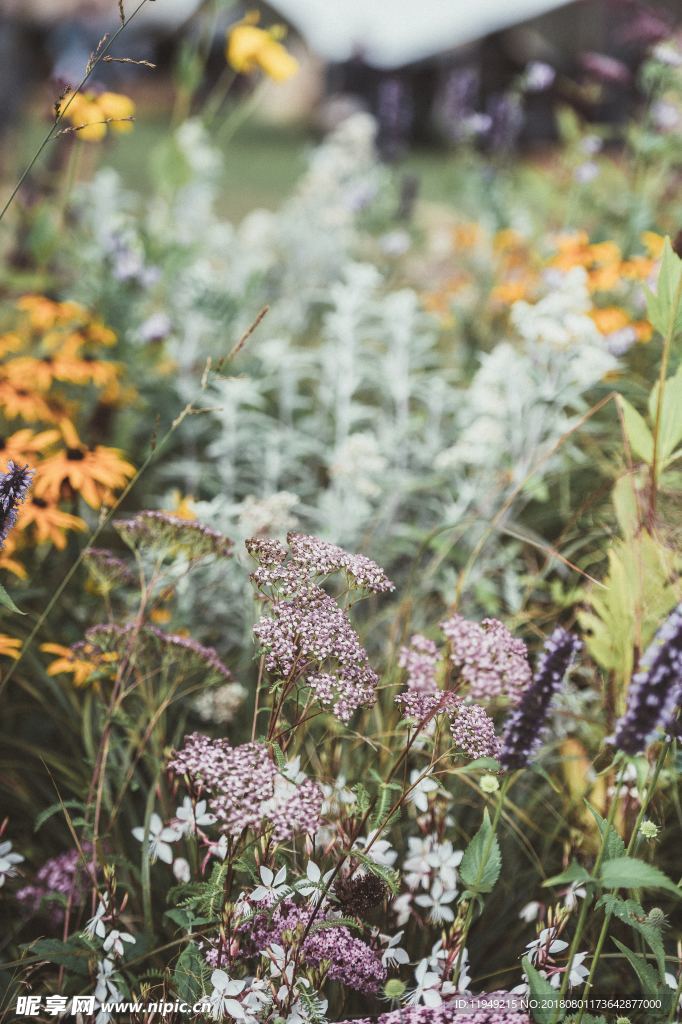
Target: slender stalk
[[587, 902], [468, 920], [663, 373], [646, 800]]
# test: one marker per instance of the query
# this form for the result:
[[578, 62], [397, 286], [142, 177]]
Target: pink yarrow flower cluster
[[500, 1010], [420, 660], [245, 789], [488, 658]]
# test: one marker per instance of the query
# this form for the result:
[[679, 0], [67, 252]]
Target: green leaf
[[615, 847], [670, 425], [189, 974], [7, 602], [540, 991], [631, 873], [73, 954], [638, 434], [631, 913], [651, 987], [664, 307], [56, 809], [482, 860], [573, 873]]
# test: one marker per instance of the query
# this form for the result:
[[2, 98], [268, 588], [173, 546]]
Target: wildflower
[[250, 48], [359, 892], [94, 472], [649, 830], [14, 485], [9, 646], [83, 661], [393, 954], [437, 902], [157, 838], [489, 784], [181, 870], [394, 988], [444, 860], [49, 521], [530, 911], [420, 660], [192, 816], [96, 926], [115, 940], [106, 987], [314, 883], [175, 534], [63, 875], [420, 786], [8, 861], [523, 731], [378, 850], [474, 732], [427, 989], [94, 113], [489, 659], [222, 997], [272, 885], [655, 688]]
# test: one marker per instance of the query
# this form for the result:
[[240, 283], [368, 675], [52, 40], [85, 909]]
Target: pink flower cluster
[[474, 731], [308, 637], [245, 788], [501, 1011], [489, 659], [420, 660], [351, 961], [64, 875], [309, 557]]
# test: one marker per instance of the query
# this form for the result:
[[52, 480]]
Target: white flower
[[310, 886], [106, 988], [427, 990], [578, 975], [8, 860], [221, 998], [393, 955], [547, 943], [272, 884], [219, 849], [420, 789], [444, 860], [115, 940], [159, 838], [181, 869], [380, 850], [190, 817], [96, 926], [530, 911], [416, 864], [437, 901], [573, 894], [402, 908]]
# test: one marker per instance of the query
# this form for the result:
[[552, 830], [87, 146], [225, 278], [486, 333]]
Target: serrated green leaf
[[631, 913], [615, 847], [72, 954], [7, 602], [541, 991], [482, 860], [631, 873]]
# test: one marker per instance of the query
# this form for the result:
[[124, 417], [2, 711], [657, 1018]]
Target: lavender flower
[[489, 659], [474, 732], [448, 1013], [420, 660], [61, 876], [523, 732], [655, 689], [14, 485]]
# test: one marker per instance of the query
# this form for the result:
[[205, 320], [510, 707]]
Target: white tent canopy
[[393, 32]]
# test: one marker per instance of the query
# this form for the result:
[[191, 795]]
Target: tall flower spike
[[523, 731], [14, 485], [655, 689]]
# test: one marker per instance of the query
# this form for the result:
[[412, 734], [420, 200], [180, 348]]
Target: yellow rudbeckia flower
[[94, 113]]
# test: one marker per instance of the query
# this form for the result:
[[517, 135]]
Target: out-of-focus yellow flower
[[182, 506], [94, 472], [85, 663], [610, 319], [9, 646], [94, 113], [250, 48], [49, 522]]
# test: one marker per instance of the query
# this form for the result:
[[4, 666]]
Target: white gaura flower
[[546, 943], [190, 817], [219, 849], [427, 990], [8, 861], [115, 940], [530, 911], [578, 976], [437, 902], [96, 925], [573, 894], [380, 850], [420, 789], [444, 860], [271, 884], [416, 865], [106, 987], [393, 955], [313, 884], [222, 997], [402, 908], [160, 836], [181, 869]]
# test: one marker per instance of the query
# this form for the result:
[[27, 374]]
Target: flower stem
[[646, 799], [481, 868]]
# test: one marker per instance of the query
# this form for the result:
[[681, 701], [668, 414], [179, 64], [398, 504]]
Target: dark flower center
[[75, 454], [40, 502]]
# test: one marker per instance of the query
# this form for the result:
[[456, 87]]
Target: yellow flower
[[93, 114], [93, 472], [83, 661], [250, 48], [9, 646], [183, 506], [49, 521]]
